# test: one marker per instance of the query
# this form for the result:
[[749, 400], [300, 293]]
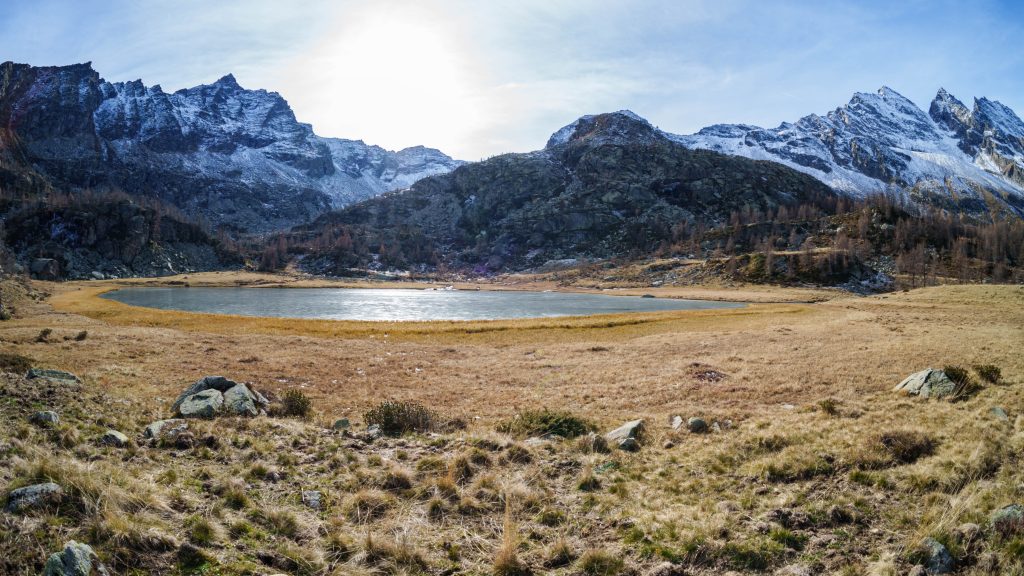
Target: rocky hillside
[[608, 185], [235, 157], [965, 160], [107, 236]]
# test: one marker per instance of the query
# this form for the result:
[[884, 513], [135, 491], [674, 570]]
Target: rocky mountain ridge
[[237, 158], [967, 160]]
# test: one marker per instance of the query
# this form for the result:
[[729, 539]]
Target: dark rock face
[[963, 160], [109, 237], [604, 186], [237, 157]]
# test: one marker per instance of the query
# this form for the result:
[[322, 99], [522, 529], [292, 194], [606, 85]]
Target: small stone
[[697, 425], [677, 422], [173, 432], [667, 569], [114, 438], [311, 498], [35, 496], [1008, 520], [205, 404], [999, 413], [629, 445], [45, 419], [75, 560], [668, 445], [373, 432], [341, 424], [937, 558]]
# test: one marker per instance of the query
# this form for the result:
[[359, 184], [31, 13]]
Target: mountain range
[[234, 157], [964, 159]]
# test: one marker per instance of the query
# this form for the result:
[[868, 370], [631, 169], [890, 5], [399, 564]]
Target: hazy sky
[[480, 78]]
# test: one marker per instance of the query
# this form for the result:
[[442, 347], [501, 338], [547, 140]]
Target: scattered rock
[[205, 404], [75, 560], [341, 424], [172, 432], [58, 376], [311, 498], [373, 432], [697, 425], [45, 419], [668, 444], [927, 383], [631, 430], [241, 401], [593, 444], [35, 496], [114, 438], [677, 422], [999, 413], [1008, 520], [937, 559], [629, 445], [667, 569], [220, 384]]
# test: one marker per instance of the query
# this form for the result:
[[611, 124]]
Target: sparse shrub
[[396, 418], [787, 538], [367, 505], [988, 372], [966, 386], [302, 560], [201, 530], [281, 522], [588, 482], [44, 335], [559, 554], [339, 547], [401, 554], [506, 561], [829, 406], [545, 421], [397, 479], [907, 446], [600, 563], [431, 466], [15, 363], [460, 470], [551, 517], [435, 508], [958, 374], [752, 554], [296, 404], [518, 454], [234, 495]]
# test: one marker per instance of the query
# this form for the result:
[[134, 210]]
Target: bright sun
[[392, 77]]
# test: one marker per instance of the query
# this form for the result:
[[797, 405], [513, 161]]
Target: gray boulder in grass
[[75, 560], [58, 376], [205, 404], [626, 437], [927, 383], [240, 401], [34, 496]]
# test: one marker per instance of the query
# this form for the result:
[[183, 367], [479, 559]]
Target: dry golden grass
[[701, 503]]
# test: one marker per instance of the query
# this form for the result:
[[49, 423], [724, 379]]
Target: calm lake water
[[396, 304]]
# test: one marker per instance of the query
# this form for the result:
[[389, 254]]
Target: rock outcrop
[[927, 383]]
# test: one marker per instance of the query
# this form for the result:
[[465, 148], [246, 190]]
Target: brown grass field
[[794, 478]]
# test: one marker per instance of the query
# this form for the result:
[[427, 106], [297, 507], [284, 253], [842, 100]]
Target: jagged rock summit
[[951, 156], [235, 157]]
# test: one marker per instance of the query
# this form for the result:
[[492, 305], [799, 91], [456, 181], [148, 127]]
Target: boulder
[[75, 560], [937, 559], [220, 384], [58, 376], [113, 438], [1008, 520], [311, 499], [45, 418], [342, 424], [241, 401], [697, 425], [205, 404], [629, 445], [927, 383], [172, 432], [35, 496], [45, 269], [632, 429]]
